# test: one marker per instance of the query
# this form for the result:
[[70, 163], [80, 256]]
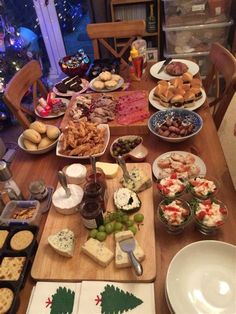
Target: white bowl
[[38, 151]]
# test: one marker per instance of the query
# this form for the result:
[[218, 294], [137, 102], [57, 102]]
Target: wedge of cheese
[[109, 169], [63, 242], [122, 258], [139, 180], [97, 251]]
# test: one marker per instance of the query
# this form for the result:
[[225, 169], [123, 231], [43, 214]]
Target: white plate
[[107, 138], [192, 68], [59, 114], [156, 104], [198, 161], [105, 90], [69, 93], [201, 279]]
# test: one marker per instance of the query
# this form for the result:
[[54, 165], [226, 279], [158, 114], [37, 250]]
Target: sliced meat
[[176, 68]]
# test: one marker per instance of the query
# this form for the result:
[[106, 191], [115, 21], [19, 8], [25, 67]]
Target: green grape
[[112, 216], [133, 229], [125, 218], [106, 219], [109, 227], [101, 236], [93, 233], [118, 226], [138, 217], [101, 228], [129, 223]]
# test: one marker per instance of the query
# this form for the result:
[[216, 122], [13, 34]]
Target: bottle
[[151, 20], [140, 44], [8, 183]]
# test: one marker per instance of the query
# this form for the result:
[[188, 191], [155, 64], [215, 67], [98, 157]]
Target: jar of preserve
[[38, 190], [95, 191], [100, 176], [91, 213]]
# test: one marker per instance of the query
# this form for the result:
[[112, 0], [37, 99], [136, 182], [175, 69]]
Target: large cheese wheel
[[67, 205], [75, 173]]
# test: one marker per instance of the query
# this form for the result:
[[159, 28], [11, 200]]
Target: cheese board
[[48, 265], [116, 128]]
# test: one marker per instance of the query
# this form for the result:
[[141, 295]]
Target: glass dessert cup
[[171, 187], [184, 216], [209, 214], [203, 188]]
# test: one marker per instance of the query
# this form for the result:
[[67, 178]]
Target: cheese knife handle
[[137, 266], [63, 182]]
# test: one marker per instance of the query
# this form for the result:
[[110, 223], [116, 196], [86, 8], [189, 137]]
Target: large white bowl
[[36, 152], [201, 278], [160, 117]]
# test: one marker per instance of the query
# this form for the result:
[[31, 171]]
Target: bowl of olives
[[129, 146]]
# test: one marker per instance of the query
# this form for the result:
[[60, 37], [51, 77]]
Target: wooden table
[[206, 145]]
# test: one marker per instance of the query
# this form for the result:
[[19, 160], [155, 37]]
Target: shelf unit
[[137, 9]]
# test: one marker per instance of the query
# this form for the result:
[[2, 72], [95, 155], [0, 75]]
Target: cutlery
[[167, 61], [122, 164], [128, 246], [63, 181], [93, 163]]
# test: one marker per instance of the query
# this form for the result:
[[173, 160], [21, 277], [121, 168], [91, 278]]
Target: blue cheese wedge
[[139, 180], [63, 242], [97, 251]]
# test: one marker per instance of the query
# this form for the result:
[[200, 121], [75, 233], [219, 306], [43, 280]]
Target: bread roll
[[45, 142], [38, 126], [187, 77], [105, 76], [32, 135], [98, 84], [52, 132], [29, 145], [110, 84]]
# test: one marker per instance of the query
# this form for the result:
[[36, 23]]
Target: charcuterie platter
[[49, 265], [126, 112]]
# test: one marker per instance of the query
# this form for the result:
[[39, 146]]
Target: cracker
[[3, 236], [21, 240], [6, 298], [11, 267]]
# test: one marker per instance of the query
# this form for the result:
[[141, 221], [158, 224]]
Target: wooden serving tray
[[48, 265], [137, 128]]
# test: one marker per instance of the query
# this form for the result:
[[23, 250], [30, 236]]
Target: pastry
[[38, 126], [21, 240], [3, 236], [29, 145], [6, 298], [99, 85], [110, 84], [52, 132], [105, 76], [115, 77], [32, 135], [45, 142]]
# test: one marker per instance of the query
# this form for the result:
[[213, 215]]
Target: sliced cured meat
[[176, 68], [133, 117]]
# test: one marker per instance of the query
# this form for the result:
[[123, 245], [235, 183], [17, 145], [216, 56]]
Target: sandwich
[[177, 101], [160, 89], [186, 87], [179, 91], [164, 83], [176, 82], [196, 82], [187, 77], [189, 98], [165, 98], [197, 92]]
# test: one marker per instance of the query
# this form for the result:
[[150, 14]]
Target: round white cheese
[[67, 205], [75, 173]]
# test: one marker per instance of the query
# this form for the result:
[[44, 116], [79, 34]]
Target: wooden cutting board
[[48, 265], [137, 128]]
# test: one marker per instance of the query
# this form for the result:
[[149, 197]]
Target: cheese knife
[[122, 164], [167, 61], [128, 246], [63, 182]]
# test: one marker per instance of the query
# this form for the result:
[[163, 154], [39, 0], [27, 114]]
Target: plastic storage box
[[21, 212], [197, 38], [191, 12]]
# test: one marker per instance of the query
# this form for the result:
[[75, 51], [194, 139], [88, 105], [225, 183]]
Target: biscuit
[[32, 136], [3, 236], [11, 267], [6, 299], [52, 132], [110, 84], [45, 142], [115, 77], [98, 85], [38, 126], [29, 145], [105, 76], [21, 240]]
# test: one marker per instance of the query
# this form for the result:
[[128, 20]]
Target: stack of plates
[[201, 279]]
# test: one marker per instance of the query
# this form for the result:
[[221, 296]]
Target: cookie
[[3, 236], [21, 240], [6, 299]]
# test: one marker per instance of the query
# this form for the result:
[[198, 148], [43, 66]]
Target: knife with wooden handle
[[167, 61]]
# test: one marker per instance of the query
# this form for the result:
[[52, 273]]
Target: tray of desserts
[[71, 85], [17, 246]]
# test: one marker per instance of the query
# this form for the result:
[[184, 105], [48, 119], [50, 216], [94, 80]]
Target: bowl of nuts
[[129, 146], [175, 125]]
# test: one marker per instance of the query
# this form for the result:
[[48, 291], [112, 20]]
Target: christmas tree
[[117, 301], [62, 301]]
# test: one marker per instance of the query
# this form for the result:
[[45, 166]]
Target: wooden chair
[[102, 32], [26, 78], [223, 68]]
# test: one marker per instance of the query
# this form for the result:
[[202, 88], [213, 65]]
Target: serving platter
[[156, 104], [201, 278], [106, 90], [192, 68], [48, 265], [69, 93], [54, 115]]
